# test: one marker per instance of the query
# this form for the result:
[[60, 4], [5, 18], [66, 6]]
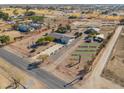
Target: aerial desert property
[[61, 46]]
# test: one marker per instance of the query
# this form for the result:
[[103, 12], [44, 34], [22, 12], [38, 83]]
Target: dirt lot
[[12, 34], [4, 26], [22, 45], [107, 29], [73, 66], [115, 67], [8, 73]]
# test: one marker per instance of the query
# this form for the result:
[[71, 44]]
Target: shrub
[[4, 16], [72, 17], [40, 40], [29, 13], [37, 18], [4, 39], [49, 38]]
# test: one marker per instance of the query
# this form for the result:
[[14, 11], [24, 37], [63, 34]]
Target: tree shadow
[[79, 77], [82, 73], [71, 65]]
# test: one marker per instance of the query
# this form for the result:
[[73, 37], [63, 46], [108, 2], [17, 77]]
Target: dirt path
[[95, 76]]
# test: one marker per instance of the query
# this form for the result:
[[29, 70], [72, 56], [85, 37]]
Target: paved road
[[95, 78], [51, 81]]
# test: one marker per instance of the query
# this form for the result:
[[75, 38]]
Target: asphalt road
[[50, 80]]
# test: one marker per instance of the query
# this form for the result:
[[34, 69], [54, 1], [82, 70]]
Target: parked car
[[97, 39], [33, 65], [87, 39]]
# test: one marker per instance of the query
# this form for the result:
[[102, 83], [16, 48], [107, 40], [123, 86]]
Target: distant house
[[35, 25], [62, 38], [92, 30], [17, 16], [13, 16], [25, 28], [11, 22], [20, 16]]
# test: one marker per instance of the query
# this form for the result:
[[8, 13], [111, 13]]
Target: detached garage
[[50, 50]]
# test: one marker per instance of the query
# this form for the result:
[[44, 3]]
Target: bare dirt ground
[[21, 46], [71, 68], [10, 75], [115, 67], [12, 34], [107, 29]]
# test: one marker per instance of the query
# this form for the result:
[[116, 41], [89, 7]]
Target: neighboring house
[[11, 22], [25, 28], [35, 25], [92, 30], [20, 16], [13, 16], [62, 38], [17, 16]]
